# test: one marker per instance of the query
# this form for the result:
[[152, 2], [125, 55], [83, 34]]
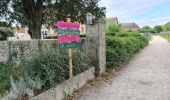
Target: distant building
[[20, 34], [113, 19], [47, 32], [130, 26]]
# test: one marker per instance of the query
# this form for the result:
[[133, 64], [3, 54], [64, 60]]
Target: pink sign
[[68, 25], [68, 39]]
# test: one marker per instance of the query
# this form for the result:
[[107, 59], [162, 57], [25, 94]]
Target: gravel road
[[147, 77]]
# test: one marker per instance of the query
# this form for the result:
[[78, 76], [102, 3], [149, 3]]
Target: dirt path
[[147, 77]]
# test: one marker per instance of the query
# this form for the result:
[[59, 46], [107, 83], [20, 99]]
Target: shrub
[[120, 48], [4, 77], [51, 67], [128, 34], [5, 32], [112, 27]]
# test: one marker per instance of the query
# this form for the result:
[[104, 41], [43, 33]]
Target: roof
[[113, 19], [130, 26], [20, 30]]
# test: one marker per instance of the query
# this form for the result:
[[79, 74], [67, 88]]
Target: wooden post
[[70, 57]]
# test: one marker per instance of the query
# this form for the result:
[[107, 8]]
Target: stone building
[[130, 26]]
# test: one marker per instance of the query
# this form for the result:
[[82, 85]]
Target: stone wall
[[67, 87], [16, 50]]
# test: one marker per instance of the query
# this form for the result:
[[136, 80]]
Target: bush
[[51, 67], [120, 48], [128, 34], [4, 77], [5, 32], [112, 27]]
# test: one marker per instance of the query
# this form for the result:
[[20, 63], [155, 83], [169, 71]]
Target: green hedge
[[120, 48]]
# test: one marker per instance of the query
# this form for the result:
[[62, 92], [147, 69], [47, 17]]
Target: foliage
[[112, 27], [4, 77], [167, 26], [5, 24], [5, 32], [51, 67], [158, 29], [128, 34], [145, 29], [120, 48], [166, 36], [47, 12]]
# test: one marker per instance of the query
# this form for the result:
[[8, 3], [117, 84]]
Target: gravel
[[146, 77]]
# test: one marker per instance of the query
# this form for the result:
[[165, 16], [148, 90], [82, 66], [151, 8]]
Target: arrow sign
[[68, 31], [68, 25], [62, 39], [69, 45]]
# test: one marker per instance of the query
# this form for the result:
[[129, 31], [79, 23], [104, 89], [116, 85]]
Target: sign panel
[[68, 32], [68, 25], [69, 45], [68, 39]]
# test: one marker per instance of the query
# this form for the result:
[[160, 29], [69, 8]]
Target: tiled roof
[[130, 26]]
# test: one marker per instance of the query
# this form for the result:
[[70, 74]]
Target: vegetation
[[112, 28], [4, 77], [166, 36], [39, 72], [120, 48], [47, 12], [145, 29], [158, 29], [166, 27], [5, 33]]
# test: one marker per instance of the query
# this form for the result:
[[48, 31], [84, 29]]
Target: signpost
[[66, 41], [68, 31]]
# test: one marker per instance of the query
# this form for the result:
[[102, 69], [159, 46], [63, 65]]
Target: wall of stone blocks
[[16, 50], [67, 87]]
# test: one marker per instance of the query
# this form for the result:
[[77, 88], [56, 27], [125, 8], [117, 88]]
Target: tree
[[158, 29], [5, 24], [34, 13], [146, 29], [167, 26], [112, 27]]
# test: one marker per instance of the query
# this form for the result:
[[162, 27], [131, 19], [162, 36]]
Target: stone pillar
[[95, 45]]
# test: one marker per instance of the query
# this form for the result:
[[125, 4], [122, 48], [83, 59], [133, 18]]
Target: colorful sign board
[[62, 39], [65, 30], [68, 32], [69, 45], [68, 25]]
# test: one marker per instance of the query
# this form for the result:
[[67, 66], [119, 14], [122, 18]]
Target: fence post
[[96, 45]]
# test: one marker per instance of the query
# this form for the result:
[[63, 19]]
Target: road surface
[[147, 77]]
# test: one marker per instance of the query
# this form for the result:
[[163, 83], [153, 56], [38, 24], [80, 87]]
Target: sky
[[143, 12]]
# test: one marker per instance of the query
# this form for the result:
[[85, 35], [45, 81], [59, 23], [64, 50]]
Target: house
[[20, 34], [114, 20], [130, 26]]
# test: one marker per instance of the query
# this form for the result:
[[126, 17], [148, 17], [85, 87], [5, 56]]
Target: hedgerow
[[121, 47]]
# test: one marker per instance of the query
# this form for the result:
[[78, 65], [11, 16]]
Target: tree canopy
[[167, 26], [34, 13], [145, 29], [158, 29]]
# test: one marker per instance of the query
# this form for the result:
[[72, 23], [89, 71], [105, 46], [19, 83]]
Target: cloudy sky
[[143, 12]]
